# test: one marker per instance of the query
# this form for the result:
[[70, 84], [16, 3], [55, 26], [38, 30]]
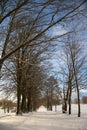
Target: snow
[[43, 120], [1, 111], [42, 109]]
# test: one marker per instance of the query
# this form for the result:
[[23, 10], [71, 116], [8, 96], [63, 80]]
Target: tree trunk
[[18, 100], [29, 106], [48, 103], [78, 95], [69, 95], [64, 106], [8, 109], [18, 104], [23, 104], [51, 99], [70, 101], [76, 82]]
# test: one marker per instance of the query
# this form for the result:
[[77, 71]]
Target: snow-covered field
[[44, 120], [1, 111]]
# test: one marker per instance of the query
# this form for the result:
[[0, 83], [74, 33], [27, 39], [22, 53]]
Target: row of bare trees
[[25, 14], [27, 41], [73, 70]]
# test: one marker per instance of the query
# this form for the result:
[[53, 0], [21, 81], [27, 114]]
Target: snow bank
[[74, 108], [1, 111], [42, 109]]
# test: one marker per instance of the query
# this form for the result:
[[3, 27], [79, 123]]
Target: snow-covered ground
[[74, 108], [1, 111], [44, 120]]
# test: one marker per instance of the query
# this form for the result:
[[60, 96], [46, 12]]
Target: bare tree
[[42, 13], [76, 62]]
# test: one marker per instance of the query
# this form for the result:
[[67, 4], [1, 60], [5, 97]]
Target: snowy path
[[44, 121]]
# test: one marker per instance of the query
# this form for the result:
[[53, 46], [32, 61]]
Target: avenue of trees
[[27, 45]]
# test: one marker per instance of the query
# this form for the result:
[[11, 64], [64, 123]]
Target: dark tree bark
[[18, 100], [69, 95], [29, 104], [19, 77], [23, 104]]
